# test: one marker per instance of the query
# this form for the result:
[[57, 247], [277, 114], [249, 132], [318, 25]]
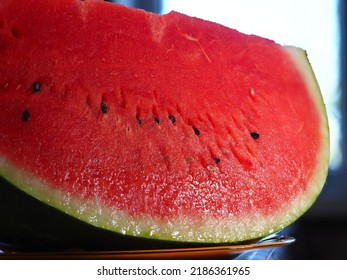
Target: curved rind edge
[[317, 182]]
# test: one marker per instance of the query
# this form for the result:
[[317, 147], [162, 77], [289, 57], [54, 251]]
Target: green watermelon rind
[[186, 229]]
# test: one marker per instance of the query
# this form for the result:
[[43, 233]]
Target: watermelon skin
[[32, 225], [166, 127]]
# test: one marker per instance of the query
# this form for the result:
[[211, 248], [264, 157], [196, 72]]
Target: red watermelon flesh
[[168, 127]]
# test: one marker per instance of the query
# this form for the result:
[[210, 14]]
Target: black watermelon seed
[[156, 119], [172, 119], [216, 160], [36, 87], [25, 116], [255, 135], [103, 107], [139, 121], [196, 131]]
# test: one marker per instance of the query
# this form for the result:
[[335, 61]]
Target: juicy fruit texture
[[168, 127]]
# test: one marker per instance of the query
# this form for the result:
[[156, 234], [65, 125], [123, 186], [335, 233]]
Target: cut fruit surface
[[167, 127]]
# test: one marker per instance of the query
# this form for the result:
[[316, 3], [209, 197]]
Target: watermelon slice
[[165, 127]]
